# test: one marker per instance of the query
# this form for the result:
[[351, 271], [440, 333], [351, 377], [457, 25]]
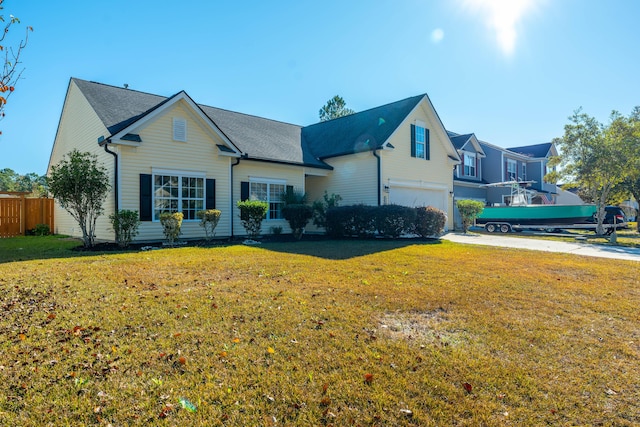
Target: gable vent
[[179, 129]]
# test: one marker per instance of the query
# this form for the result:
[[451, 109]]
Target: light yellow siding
[[80, 128], [354, 178], [199, 155], [247, 170], [436, 174]]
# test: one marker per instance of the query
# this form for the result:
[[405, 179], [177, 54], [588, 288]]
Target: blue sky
[[511, 71]]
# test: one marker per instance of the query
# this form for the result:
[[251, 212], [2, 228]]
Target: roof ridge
[[530, 145], [123, 88]]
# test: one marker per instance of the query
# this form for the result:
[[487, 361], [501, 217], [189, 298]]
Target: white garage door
[[418, 197]]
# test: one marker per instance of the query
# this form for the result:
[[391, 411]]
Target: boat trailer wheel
[[505, 228], [491, 228]]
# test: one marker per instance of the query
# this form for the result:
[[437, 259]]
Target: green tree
[[31, 182], [11, 71], [594, 156], [80, 185], [632, 180], [334, 108]]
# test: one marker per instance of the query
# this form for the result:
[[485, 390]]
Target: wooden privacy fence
[[20, 214]]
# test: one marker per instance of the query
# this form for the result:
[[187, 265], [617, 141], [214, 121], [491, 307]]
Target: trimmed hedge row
[[387, 220]]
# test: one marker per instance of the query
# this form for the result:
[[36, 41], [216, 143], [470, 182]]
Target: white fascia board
[[316, 172], [195, 109], [477, 146]]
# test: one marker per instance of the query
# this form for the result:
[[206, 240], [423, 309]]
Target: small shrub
[[293, 197], [469, 211], [252, 212], [298, 215], [320, 208], [394, 220], [276, 231], [430, 222], [171, 224], [41, 230], [125, 224], [209, 221]]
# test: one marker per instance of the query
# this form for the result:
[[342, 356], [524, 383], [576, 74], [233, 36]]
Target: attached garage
[[418, 195]]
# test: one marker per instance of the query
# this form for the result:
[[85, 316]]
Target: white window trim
[[515, 172], [269, 181], [180, 174], [475, 169], [179, 124], [423, 143]]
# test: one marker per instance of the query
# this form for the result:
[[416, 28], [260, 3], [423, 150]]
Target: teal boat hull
[[537, 214]]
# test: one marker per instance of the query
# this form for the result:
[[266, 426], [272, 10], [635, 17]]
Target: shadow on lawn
[[39, 248], [344, 248]]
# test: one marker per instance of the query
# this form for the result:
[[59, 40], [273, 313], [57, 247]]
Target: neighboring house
[[483, 163], [536, 168], [172, 154]]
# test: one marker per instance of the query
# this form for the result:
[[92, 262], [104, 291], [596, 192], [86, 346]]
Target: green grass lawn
[[316, 333]]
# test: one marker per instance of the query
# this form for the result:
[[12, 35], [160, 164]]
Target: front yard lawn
[[318, 333]]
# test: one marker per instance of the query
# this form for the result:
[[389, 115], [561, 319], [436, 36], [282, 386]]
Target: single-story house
[[173, 154]]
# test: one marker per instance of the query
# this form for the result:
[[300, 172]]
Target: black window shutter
[[427, 153], [146, 199], [210, 202], [413, 140], [244, 190]]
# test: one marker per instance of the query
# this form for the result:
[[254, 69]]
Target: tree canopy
[[600, 158], [13, 181], [334, 108]]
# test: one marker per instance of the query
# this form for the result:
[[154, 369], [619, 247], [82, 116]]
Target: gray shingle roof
[[363, 131], [263, 139], [115, 106], [257, 137], [459, 141], [537, 150]]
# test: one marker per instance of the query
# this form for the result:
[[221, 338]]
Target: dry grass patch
[[276, 335]]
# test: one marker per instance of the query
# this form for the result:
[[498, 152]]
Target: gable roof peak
[[362, 131]]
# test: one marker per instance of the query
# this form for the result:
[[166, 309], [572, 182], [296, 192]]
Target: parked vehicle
[[614, 218]]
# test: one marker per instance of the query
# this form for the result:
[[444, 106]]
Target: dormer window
[[179, 129], [469, 164]]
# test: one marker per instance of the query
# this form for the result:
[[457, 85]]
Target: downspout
[[231, 191], [375, 154], [105, 144]]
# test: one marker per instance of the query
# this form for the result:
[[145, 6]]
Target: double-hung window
[[512, 170], [420, 142], [178, 193], [469, 164], [269, 191]]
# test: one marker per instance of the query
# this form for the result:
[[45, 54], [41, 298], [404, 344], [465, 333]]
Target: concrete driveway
[[585, 249]]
